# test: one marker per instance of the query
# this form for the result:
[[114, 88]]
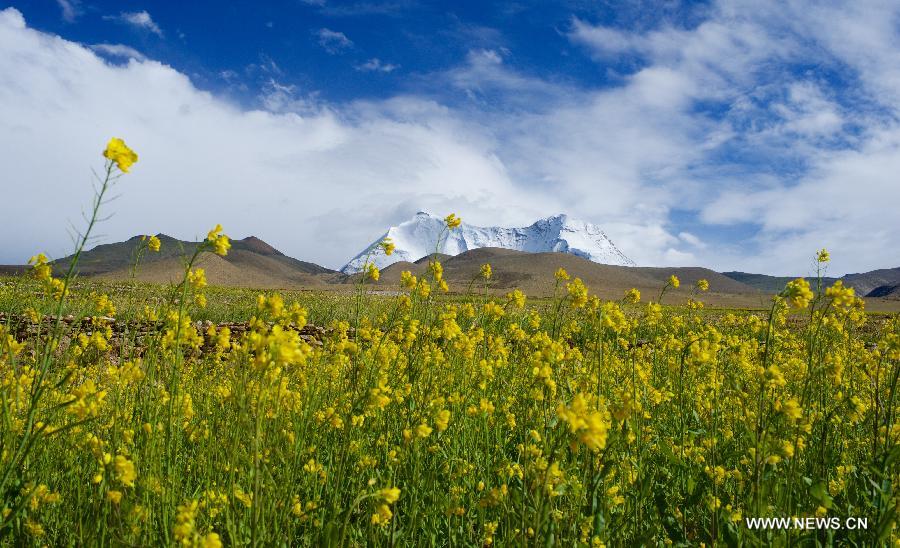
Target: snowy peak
[[425, 234]]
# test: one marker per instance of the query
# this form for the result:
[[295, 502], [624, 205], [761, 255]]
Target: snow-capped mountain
[[418, 237]]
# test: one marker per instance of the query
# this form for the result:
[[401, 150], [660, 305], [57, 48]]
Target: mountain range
[[524, 258], [425, 234]]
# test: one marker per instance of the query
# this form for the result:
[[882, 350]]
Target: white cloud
[[333, 41], [118, 50], [375, 65], [692, 239], [605, 41], [71, 9], [316, 186], [736, 121], [777, 145], [138, 19]]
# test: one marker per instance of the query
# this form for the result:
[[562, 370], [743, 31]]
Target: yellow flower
[[40, 268], [486, 271], [388, 246], [389, 495], [516, 298], [114, 496], [452, 221], [823, 256], [578, 292], [790, 408], [632, 296], [371, 272], [211, 540], [561, 274], [798, 293], [703, 285], [407, 280], [221, 243], [154, 244], [125, 471], [184, 522], [214, 233], [590, 425], [442, 421], [34, 528], [382, 515], [674, 281], [119, 153], [841, 296], [423, 430], [197, 278]]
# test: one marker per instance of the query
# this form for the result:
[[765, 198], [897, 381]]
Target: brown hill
[[886, 292], [250, 262], [12, 269], [256, 273], [867, 282], [534, 273]]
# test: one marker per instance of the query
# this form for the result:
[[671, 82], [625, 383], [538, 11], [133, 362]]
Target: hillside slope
[[534, 273], [865, 283], [250, 262]]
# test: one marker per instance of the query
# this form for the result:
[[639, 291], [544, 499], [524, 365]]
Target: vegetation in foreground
[[419, 420]]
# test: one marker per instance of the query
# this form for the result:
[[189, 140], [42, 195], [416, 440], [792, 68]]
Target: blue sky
[[730, 134], [236, 48]]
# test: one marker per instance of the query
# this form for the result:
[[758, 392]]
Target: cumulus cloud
[[316, 186], [375, 65], [118, 50], [735, 126], [138, 19], [333, 41], [71, 9], [760, 139]]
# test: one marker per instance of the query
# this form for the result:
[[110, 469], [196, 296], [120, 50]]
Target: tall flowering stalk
[[119, 159]]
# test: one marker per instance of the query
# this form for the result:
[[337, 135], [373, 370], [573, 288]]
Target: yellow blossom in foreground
[[452, 221], [841, 296], [590, 425], [154, 244], [486, 271], [516, 298], [387, 245], [442, 421], [674, 281], [125, 471], [407, 280], [119, 153], [632, 296], [703, 285], [578, 292], [371, 272], [423, 430], [389, 495], [823, 256], [197, 278], [382, 515], [39, 267], [221, 243], [798, 293]]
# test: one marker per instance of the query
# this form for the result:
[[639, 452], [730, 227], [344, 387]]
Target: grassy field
[[144, 415], [421, 419]]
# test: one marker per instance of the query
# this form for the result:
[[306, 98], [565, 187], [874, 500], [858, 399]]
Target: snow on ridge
[[418, 237]]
